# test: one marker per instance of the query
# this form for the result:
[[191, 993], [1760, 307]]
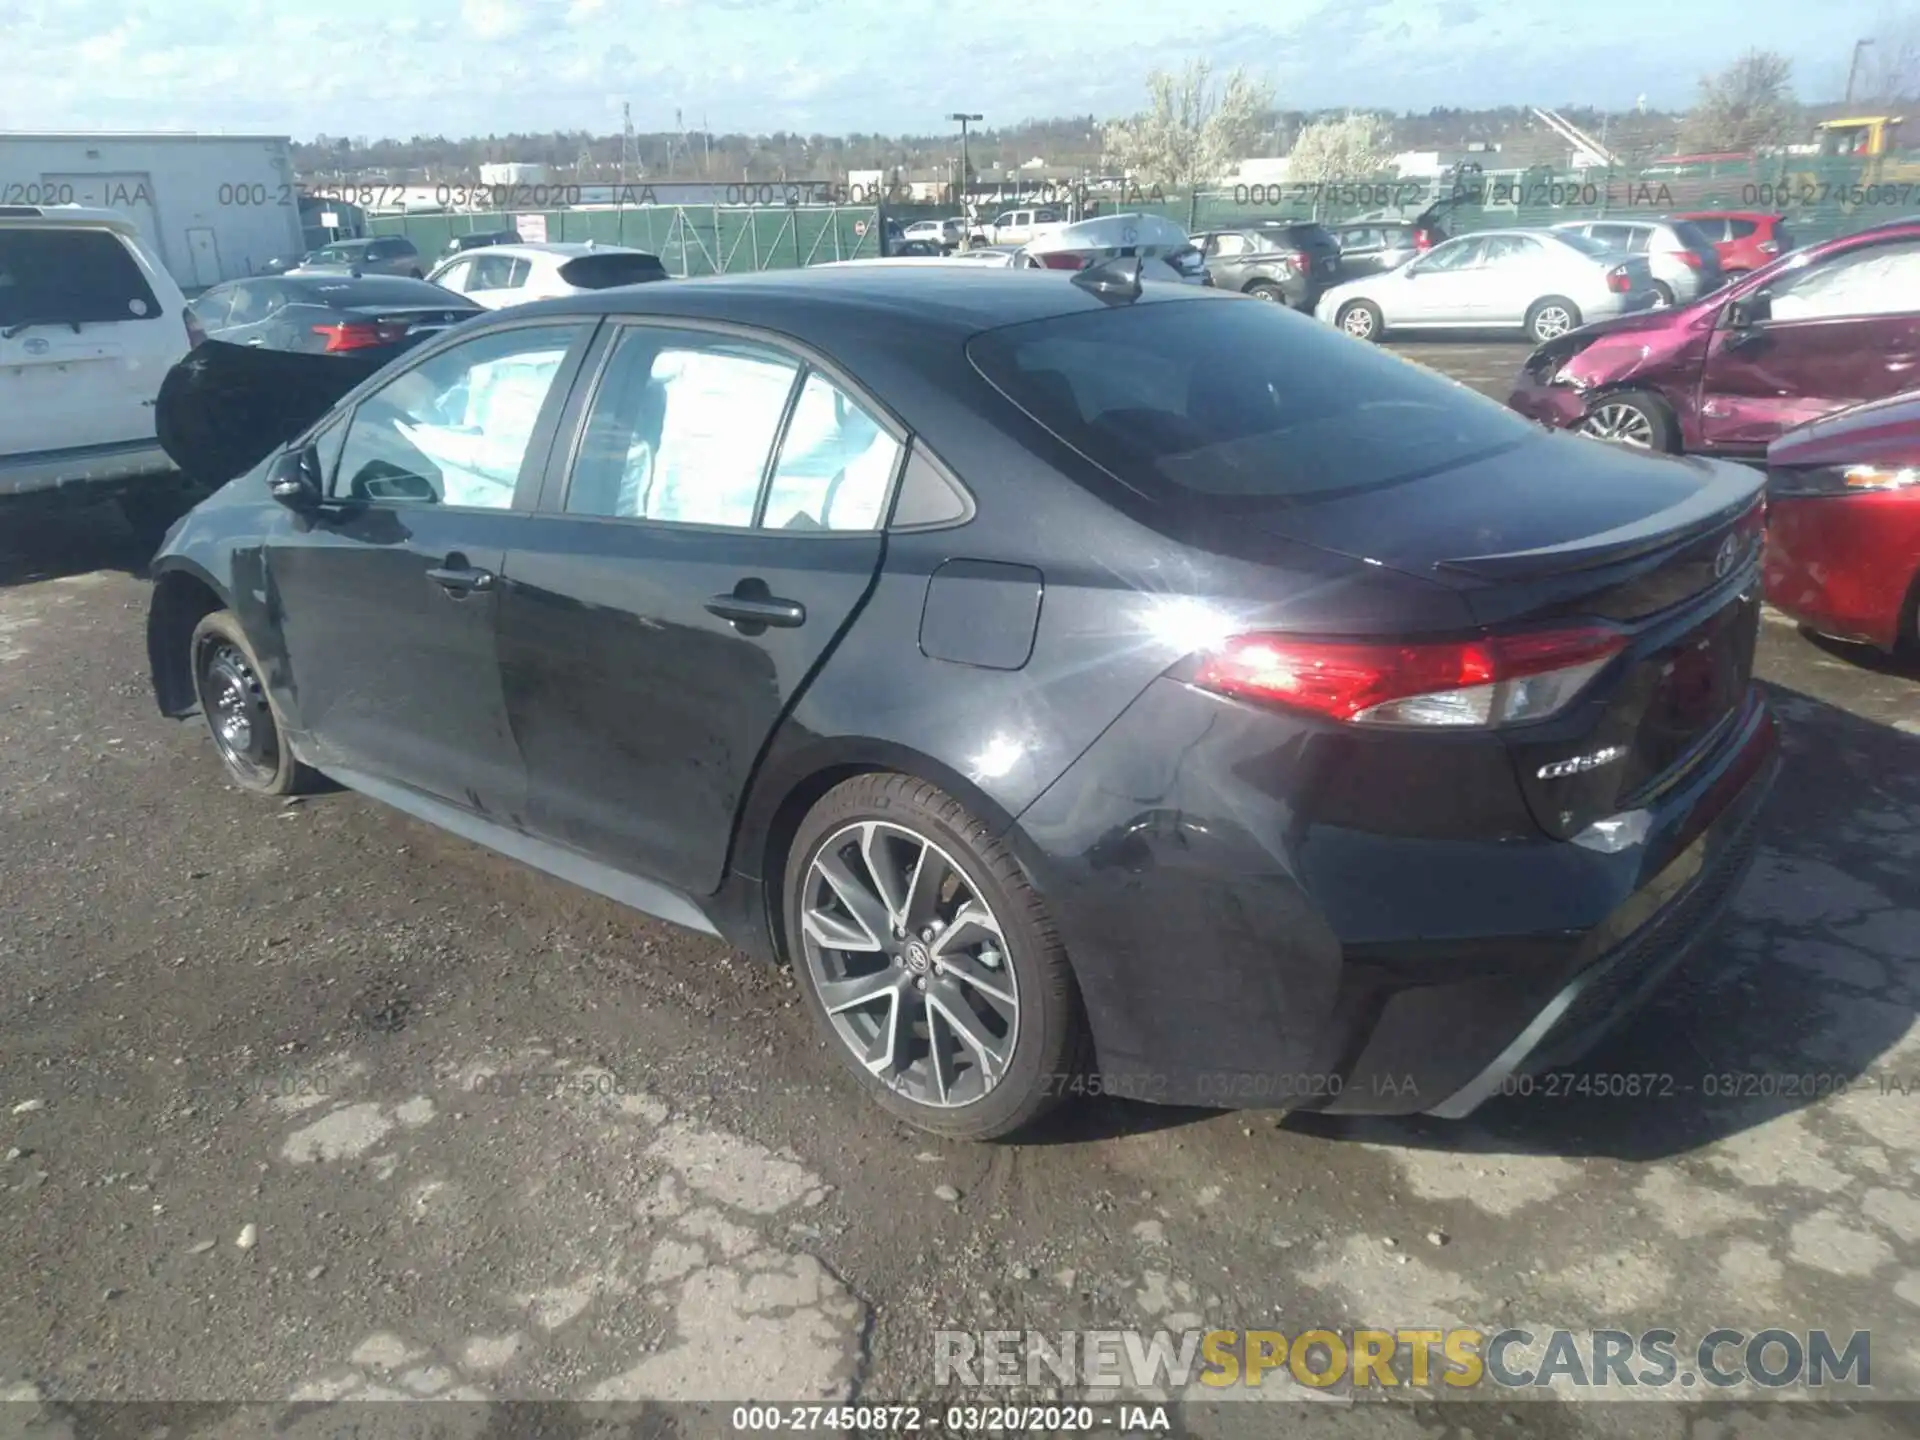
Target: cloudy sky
[[459, 67]]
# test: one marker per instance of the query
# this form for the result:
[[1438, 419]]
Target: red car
[[1833, 325], [1843, 523], [1744, 239]]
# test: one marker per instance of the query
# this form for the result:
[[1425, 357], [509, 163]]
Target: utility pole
[[966, 210], [1853, 70]]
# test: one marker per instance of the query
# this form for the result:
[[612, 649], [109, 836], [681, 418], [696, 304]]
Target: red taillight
[[1300, 261], [1063, 260], [1423, 239], [361, 334], [1494, 680], [1685, 257], [1619, 281]]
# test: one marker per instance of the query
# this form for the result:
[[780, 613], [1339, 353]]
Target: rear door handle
[[757, 610], [460, 579]]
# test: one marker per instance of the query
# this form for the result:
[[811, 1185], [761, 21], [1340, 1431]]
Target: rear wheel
[[1632, 418], [1663, 293], [1361, 319], [1551, 318], [928, 960], [1268, 291], [240, 714]]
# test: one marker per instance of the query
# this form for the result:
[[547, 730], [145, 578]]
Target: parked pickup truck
[[1018, 227]]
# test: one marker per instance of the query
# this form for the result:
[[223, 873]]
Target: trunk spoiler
[[1730, 492]]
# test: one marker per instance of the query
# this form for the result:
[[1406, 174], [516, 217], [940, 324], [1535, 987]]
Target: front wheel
[[1551, 318], [240, 714], [1634, 419], [1361, 319], [928, 961]]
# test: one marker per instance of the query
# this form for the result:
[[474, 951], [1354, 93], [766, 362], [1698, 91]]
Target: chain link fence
[[689, 239], [1820, 196]]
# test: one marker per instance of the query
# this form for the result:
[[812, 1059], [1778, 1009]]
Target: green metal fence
[[689, 239], [1821, 196]]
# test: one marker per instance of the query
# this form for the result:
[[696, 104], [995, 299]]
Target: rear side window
[[1233, 406], [68, 275], [603, 272], [1740, 229]]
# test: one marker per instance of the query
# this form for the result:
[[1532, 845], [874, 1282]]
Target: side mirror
[[1750, 310], [294, 479]]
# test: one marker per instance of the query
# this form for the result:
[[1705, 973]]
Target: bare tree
[[1192, 131], [1351, 148], [1748, 105]]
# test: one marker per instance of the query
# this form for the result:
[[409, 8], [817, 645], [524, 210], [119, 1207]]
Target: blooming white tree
[[1350, 148], [1193, 131]]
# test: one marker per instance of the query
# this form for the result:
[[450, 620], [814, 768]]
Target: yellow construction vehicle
[[1863, 136]]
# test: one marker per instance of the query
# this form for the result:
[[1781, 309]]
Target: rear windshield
[[603, 272], [364, 290], [1238, 405], [67, 275], [1299, 237], [1585, 244]]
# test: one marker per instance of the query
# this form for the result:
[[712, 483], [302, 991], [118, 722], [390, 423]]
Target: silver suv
[[90, 324], [1684, 262]]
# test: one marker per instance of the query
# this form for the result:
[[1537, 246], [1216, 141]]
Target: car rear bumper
[[1234, 949], [84, 471], [1845, 564]]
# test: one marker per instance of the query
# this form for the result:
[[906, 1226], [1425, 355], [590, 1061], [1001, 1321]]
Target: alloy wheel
[[1551, 323], [1622, 424], [910, 964], [1358, 322], [237, 711]]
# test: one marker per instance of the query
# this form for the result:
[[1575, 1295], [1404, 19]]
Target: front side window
[[456, 276], [1873, 280], [681, 428], [454, 430], [491, 272]]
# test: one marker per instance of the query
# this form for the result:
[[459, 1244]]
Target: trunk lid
[[414, 323], [1567, 530]]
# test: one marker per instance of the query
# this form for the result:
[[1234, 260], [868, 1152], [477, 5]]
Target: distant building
[[513, 174]]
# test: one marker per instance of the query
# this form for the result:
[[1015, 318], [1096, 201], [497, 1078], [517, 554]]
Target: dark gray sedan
[[326, 313]]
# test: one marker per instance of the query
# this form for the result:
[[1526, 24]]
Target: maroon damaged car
[[1830, 326]]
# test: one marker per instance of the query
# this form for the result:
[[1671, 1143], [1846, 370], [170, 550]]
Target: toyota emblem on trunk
[[1723, 559]]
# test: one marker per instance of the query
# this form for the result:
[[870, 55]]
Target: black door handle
[[758, 610], [460, 579]]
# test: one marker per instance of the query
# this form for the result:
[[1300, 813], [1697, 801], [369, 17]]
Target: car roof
[[956, 300], [57, 217], [563, 249]]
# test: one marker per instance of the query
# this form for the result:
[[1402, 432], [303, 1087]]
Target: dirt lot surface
[[306, 1102]]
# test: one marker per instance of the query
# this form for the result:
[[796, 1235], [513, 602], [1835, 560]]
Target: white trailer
[[213, 207]]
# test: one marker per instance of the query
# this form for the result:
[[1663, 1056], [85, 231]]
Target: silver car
[[1540, 282], [377, 255], [1684, 262], [947, 234]]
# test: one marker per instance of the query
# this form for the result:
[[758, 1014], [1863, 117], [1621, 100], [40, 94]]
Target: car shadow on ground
[[1795, 998], [1903, 666], [76, 541]]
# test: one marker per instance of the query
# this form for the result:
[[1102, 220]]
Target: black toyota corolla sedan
[[1082, 685]]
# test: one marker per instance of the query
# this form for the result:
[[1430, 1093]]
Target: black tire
[[264, 763], [1545, 307], [1364, 314], [1662, 430], [1268, 291], [1049, 1045], [1664, 291]]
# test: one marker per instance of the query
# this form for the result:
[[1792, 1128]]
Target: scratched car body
[[1067, 676]]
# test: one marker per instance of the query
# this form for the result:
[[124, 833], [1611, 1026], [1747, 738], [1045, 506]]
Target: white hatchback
[[497, 276], [90, 324]]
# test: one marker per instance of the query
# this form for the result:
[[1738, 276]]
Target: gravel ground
[[305, 1102]]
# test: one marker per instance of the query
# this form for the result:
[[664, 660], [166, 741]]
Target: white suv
[[90, 324]]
